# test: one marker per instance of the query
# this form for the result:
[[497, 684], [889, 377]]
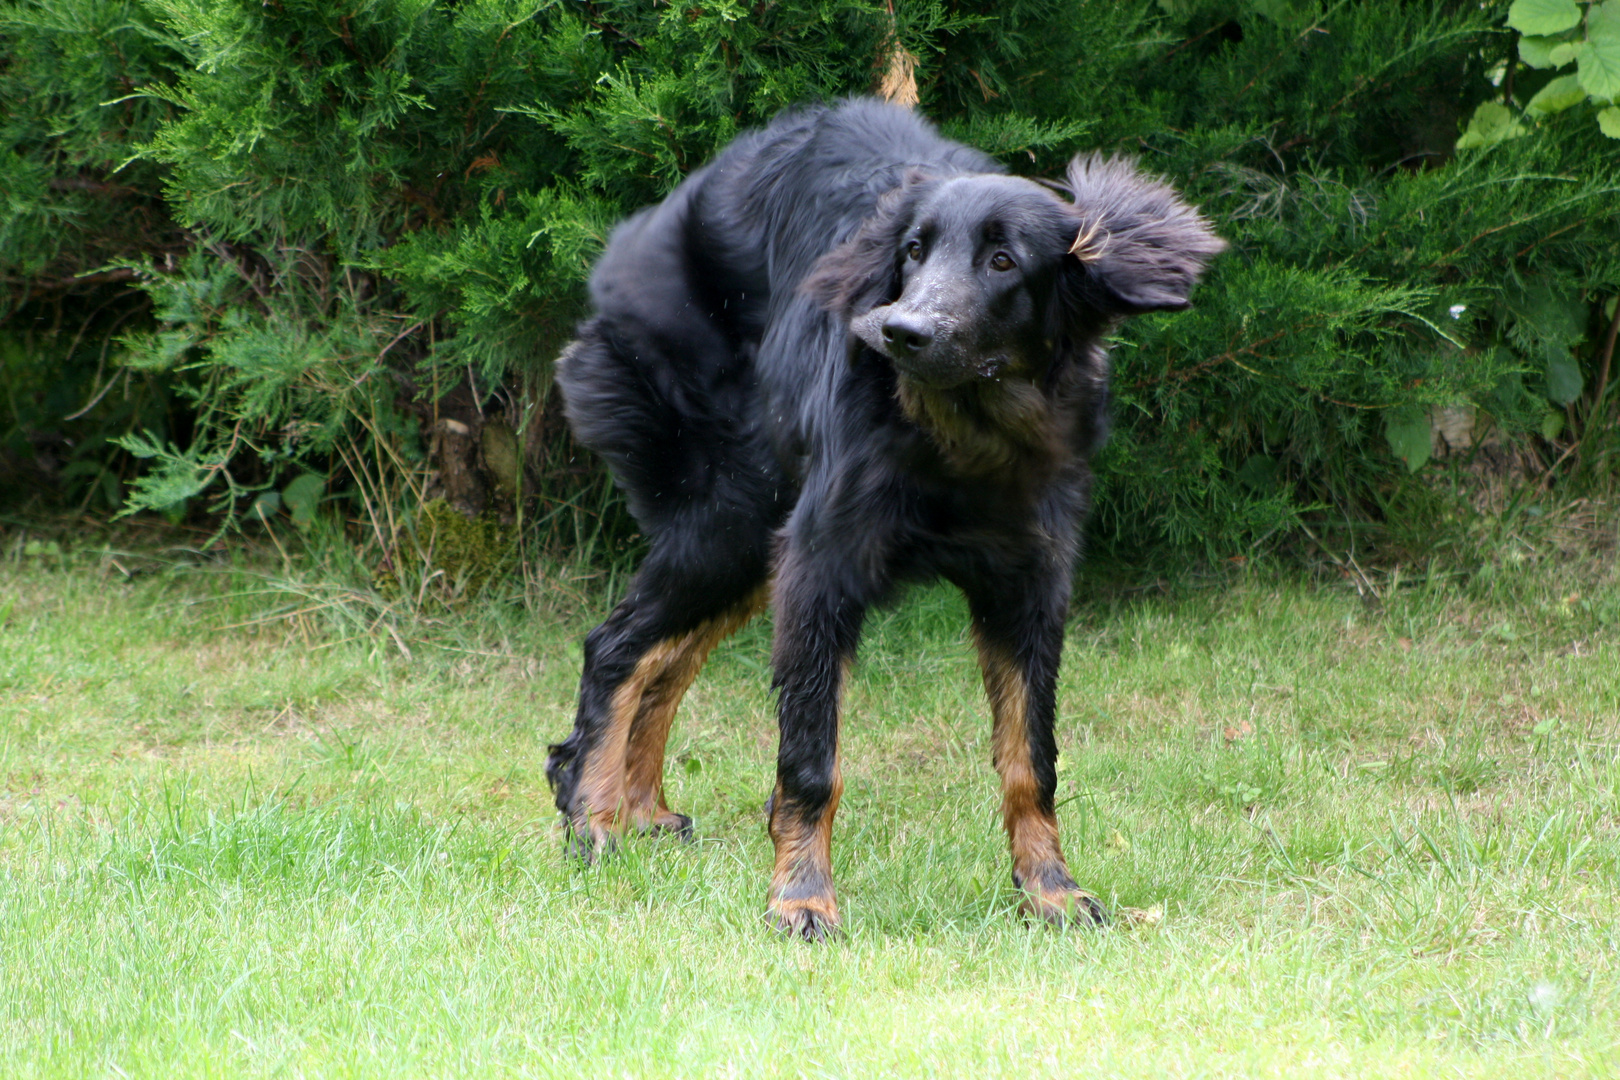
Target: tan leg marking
[[602, 779], [802, 900], [643, 797], [644, 806], [1032, 833]]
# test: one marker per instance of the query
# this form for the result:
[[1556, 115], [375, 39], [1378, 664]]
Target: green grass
[[1385, 841]]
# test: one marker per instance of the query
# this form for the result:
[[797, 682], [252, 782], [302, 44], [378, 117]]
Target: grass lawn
[[1379, 840]]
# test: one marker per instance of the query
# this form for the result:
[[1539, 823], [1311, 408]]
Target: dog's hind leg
[[1018, 627], [587, 770], [705, 488], [644, 805], [701, 581]]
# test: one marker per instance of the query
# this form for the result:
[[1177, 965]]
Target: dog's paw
[[669, 823], [597, 836], [589, 846], [589, 838], [1065, 907], [813, 919]]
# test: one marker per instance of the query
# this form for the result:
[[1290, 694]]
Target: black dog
[[848, 354]]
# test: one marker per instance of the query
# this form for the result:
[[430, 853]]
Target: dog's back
[[686, 291], [801, 186]]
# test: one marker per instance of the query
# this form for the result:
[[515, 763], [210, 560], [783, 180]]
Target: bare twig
[[1606, 356], [101, 362], [1547, 474], [105, 277], [401, 336], [228, 258], [1364, 588]]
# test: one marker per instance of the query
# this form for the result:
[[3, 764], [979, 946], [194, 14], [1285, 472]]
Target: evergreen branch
[[1182, 375], [1528, 248], [1363, 82], [1515, 223], [1458, 196]]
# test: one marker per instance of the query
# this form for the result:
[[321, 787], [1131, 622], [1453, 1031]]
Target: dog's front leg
[[817, 629], [1018, 625]]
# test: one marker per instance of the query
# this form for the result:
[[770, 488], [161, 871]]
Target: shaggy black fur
[[850, 353]]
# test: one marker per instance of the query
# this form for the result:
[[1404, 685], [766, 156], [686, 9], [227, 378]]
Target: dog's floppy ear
[[864, 271], [1137, 247]]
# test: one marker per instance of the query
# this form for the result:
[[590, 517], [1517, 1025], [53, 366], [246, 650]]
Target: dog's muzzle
[[919, 347]]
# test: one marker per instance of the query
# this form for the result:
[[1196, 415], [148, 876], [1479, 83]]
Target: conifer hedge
[[314, 258]]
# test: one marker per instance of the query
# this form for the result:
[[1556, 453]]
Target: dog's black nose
[[908, 331]]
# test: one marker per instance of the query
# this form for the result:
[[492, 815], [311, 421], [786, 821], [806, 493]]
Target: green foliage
[[356, 219], [70, 202], [1374, 276], [1492, 122], [70, 113], [1543, 16], [301, 497], [1557, 33], [1407, 429]]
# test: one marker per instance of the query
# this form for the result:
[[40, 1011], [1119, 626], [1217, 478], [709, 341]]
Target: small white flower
[[1457, 310]]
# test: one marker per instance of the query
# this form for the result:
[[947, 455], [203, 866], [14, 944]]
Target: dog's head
[[974, 277]]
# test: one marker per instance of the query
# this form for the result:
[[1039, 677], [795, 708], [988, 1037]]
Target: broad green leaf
[[1600, 59], [1565, 51], [1491, 123], [1563, 376], [1407, 429], [1552, 424], [266, 505], [1609, 122], [1537, 51], [302, 496], [1564, 92], [1543, 16]]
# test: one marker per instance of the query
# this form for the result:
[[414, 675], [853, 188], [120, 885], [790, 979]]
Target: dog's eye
[[1002, 261], [914, 250]]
